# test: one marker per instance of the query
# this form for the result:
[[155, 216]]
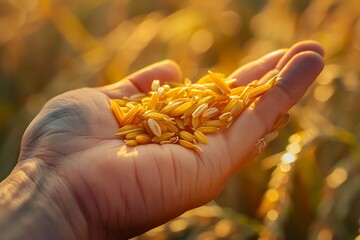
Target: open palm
[[124, 191]]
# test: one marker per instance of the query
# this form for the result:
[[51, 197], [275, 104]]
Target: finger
[[141, 80], [296, 76], [273, 61], [256, 69], [303, 46]]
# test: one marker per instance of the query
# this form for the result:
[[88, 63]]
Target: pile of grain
[[182, 113]]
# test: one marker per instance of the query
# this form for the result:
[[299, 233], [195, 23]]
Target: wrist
[[36, 203]]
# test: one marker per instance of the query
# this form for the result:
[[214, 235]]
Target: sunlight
[[288, 158], [337, 177], [126, 151]]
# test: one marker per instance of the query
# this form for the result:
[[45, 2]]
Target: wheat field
[[304, 185]]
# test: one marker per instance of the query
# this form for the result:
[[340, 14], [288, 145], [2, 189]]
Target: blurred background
[[305, 185]]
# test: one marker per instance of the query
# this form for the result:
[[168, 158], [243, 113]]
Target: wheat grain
[[200, 136], [171, 127], [163, 137], [157, 116], [215, 123], [189, 112], [155, 85], [281, 122], [179, 123], [210, 112], [130, 129], [237, 109], [133, 135], [117, 111], [186, 136], [219, 81], [143, 138], [207, 129], [183, 113], [187, 144], [258, 91], [231, 104], [226, 116], [200, 110], [180, 110], [131, 143], [154, 127]]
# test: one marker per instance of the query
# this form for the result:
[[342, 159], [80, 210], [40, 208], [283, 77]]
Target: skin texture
[[102, 189]]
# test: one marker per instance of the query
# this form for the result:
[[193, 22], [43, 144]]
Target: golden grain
[[195, 122], [171, 93], [200, 110], [207, 99], [130, 115], [162, 126], [117, 111], [204, 79], [213, 89], [180, 110], [181, 93], [174, 139], [147, 128], [190, 110], [207, 129], [163, 137], [171, 127], [134, 134], [272, 80], [124, 132], [230, 81], [187, 121], [179, 123], [157, 116], [221, 97], [189, 145], [130, 105], [160, 92], [219, 81], [210, 112], [131, 143], [129, 127], [231, 104], [200, 136], [155, 85], [258, 91], [281, 122], [154, 127], [186, 136], [143, 138], [215, 123], [237, 109], [237, 90], [153, 100], [226, 116], [120, 102], [182, 113], [170, 107], [187, 82], [166, 87]]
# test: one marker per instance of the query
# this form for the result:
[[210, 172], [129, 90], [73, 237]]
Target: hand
[[123, 191]]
